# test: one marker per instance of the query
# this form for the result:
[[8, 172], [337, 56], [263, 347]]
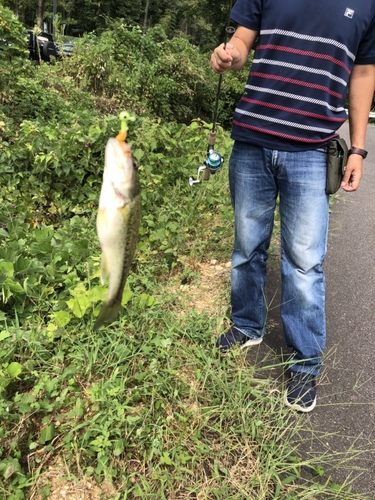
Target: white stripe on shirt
[[310, 39], [294, 96], [283, 122], [301, 68]]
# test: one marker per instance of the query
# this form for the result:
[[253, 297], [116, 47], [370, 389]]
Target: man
[[294, 101]]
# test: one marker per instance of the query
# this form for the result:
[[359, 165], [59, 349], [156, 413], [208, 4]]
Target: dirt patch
[[208, 292], [56, 486]]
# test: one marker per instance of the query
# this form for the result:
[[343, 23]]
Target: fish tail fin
[[107, 314]]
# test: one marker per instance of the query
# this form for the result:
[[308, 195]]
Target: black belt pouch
[[336, 164]]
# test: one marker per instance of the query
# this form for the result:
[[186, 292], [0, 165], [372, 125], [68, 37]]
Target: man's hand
[[353, 173], [235, 53], [222, 58], [361, 93]]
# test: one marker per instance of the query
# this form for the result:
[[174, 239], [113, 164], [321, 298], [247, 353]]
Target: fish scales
[[130, 244], [118, 223]]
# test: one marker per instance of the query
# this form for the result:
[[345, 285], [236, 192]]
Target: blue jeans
[[257, 176]]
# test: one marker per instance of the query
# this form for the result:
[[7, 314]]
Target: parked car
[[68, 48], [43, 46]]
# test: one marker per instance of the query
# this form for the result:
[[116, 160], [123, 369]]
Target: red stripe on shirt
[[296, 82], [290, 110], [284, 136], [306, 53]]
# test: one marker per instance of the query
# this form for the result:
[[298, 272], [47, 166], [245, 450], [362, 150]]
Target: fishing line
[[213, 161]]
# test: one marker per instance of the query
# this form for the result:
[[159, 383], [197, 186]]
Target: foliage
[[146, 404], [12, 48], [168, 78], [202, 22], [11, 35], [52, 171]]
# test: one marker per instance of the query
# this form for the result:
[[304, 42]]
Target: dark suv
[[42, 46]]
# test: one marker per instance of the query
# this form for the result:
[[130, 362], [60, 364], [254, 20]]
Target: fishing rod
[[213, 160]]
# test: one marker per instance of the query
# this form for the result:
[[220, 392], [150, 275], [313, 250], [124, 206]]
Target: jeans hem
[[313, 372], [250, 336]]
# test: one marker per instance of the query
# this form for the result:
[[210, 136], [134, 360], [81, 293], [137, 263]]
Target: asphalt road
[[342, 426]]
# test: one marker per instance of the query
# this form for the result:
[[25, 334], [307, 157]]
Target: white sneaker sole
[[298, 407], [251, 342]]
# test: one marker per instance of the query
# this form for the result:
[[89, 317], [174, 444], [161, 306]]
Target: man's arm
[[361, 93], [235, 54]]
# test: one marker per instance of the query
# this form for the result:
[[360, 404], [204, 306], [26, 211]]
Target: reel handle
[[212, 164]]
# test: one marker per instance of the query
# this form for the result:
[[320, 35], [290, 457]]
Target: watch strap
[[358, 151]]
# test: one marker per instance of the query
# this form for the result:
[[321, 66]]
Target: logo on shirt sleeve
[[349, 13]]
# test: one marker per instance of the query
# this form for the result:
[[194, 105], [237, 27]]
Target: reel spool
[[212, 163]]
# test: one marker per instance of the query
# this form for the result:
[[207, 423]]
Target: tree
[[40, 14], [201, 21]]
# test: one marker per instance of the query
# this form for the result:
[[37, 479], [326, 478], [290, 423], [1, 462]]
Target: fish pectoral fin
[[108, 313], [104, 271]]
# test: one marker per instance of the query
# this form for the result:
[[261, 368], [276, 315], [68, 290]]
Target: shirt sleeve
[[248, 13], [366, 49]]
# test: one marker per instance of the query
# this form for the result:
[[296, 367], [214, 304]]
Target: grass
[[145, 408]]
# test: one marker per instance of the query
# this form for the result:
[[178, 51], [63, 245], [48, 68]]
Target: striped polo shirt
[[294, 98]]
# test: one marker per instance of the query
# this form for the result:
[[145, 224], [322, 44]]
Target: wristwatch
[[358, 151]]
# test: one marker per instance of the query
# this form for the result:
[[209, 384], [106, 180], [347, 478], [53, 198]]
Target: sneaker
[[301, 392], [234, 337]]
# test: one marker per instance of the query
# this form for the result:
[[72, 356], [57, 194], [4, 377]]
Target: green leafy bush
[[12, 40], [51, 178], [167, 78]]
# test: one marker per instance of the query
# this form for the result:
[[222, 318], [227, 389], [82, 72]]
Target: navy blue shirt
[[294, 99]]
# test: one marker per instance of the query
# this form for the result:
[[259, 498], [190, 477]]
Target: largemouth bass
[[117, 223]]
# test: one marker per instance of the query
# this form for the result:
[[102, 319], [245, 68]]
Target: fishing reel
[[212, 163]]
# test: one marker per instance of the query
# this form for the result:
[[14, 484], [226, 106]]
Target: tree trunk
[[40, 14], [16, 9]]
